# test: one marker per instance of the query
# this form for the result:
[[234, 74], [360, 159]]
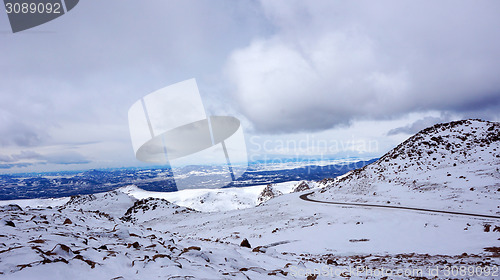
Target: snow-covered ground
[[205, 200], [453, 166], [37, 202], [213, 200], [196, 234], [288, 235]]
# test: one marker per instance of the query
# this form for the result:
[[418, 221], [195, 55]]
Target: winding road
[[306, 198]]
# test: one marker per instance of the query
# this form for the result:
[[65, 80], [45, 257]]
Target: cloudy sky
[[339, 78]]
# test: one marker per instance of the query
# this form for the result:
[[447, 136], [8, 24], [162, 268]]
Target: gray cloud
[[73, 79], [27, 155], [18, 160], [93, 64], [18, 165], [4, 158], [23, 155], [329, 63], [419, 125], [29, 158], [69, 157], [15, 132]]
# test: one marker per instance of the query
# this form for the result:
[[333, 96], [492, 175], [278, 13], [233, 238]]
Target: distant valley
[[62, 184]]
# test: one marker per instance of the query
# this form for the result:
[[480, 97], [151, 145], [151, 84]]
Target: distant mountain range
[[62, 184]]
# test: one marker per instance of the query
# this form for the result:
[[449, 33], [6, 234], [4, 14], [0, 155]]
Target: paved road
[[306, 198]]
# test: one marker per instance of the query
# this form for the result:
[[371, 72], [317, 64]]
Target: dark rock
[[259, 249], [245, 243], [89, 262], [487, 227], [185, 250], [67, 222], [276, 271], [10, 223], [160, 256], [192, 248], [330, 261]]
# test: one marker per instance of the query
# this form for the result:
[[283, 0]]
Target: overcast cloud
[[281, 66], [332, 63], [420, 124]]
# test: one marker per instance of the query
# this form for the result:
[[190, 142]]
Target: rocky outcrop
[[302, 186], [267, 193]]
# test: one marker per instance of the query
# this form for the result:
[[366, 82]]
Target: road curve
[[306, 198]]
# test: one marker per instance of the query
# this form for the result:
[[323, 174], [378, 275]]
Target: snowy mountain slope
[[213, 200], [205, 200], [288, 236], [311, 235], [454, 165], [37, 202], [114, 202], [149, 209], [65, 243], [314, 228], [134, 234]]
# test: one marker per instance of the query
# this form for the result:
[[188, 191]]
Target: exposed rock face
[[267, 193], [303, 186], [80, 199]]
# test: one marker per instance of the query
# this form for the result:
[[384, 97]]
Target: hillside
[[130, 233], [452, 165]]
